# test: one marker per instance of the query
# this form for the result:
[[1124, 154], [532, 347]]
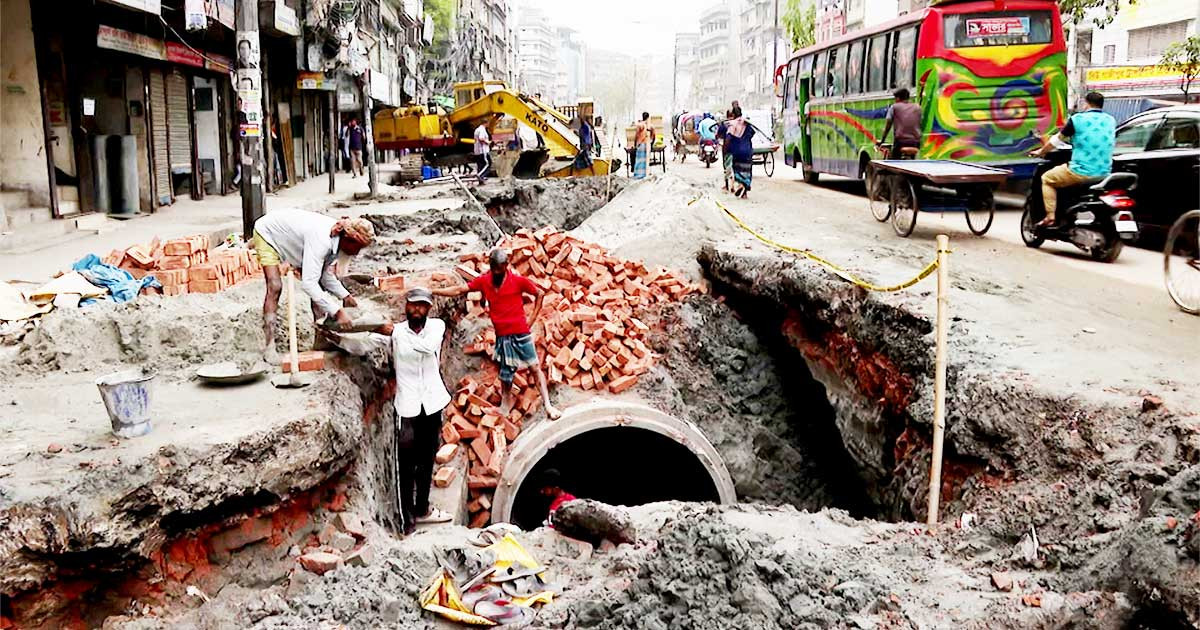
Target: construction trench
[[774, 452]]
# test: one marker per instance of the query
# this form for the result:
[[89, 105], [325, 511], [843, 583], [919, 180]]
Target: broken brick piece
[[321, 562], [623, 383], [311, 361], [481, 519], [479, 482], [481, 449], [444, 476], [446, 452]]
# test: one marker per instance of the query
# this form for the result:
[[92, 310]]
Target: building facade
[[761, 48], [485, 39], [537, 49], [718, 59], [571, 68], [1121, 59], [131, 105], [684, 65]]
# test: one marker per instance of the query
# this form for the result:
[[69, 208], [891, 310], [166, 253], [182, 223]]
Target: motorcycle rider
[[1092, 134]]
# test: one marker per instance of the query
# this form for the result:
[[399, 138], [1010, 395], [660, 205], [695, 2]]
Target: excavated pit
[[790, 406]]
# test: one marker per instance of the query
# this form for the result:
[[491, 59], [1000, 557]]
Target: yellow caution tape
[[841, 273]]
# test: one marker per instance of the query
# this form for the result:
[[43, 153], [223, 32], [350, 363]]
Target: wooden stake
[[939, 380]]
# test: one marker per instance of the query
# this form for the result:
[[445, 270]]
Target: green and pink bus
[[989, 75]]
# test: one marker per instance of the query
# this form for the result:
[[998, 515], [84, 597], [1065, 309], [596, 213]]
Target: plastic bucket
[[426, 172], [126, 396]]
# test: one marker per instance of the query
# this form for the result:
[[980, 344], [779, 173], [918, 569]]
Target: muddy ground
[[816, 395]]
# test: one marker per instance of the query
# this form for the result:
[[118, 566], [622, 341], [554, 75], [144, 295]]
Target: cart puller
[[312, 243]]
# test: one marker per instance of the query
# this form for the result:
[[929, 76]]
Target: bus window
[[819, 75], [998, 28], [904, 58], [837, 72], [854, 72], [877, 65], [789, 84]]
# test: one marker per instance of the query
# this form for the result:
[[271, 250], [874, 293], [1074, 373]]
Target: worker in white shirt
[[420, 398], [312, 243], [483, 151]]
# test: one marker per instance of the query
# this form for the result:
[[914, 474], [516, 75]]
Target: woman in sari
[[741, 151], [642, 138]]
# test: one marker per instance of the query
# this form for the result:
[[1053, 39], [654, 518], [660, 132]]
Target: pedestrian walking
[[722, 134], [583, 158], [312, 243], [355, 141], [504, 291], [741, 151], [642, 137]]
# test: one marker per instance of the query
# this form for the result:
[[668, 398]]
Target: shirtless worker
[[504, 291], [312, 243]]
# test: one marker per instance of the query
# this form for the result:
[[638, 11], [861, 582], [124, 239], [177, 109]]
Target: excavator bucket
[[529, 164]]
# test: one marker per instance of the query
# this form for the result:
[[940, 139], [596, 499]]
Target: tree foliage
[[800, 22], [1076, 11], [1184, 57]]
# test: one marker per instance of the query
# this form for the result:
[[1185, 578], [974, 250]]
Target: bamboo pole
[[939, 380]]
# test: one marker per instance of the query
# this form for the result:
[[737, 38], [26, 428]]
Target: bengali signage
[[128, 42], [1131, 77], [315, 81], [149, 6], [997, 26], [218, 63], [178, 53]]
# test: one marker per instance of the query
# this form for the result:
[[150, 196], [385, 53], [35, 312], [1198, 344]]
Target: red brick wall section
[[196, 558]]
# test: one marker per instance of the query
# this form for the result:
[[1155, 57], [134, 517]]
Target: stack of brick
[[188, 265], [590, 337]]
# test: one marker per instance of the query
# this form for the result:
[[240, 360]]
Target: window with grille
[[1152, 41], [1110, 54]]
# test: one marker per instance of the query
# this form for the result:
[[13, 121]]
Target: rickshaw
[[685, 137]]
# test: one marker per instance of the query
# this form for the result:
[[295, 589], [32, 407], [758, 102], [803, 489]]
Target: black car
[[1162, 146]]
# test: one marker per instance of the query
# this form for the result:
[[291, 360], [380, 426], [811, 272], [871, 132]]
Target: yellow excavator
[[447, 138]]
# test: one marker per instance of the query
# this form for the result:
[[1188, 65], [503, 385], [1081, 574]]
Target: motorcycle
[[708, 152], [1096, 215]]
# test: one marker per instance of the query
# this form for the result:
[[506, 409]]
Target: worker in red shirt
[[504, 292], [551, 488]]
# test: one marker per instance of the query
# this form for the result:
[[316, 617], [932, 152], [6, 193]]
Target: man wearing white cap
[[420, 398], [312, 243]]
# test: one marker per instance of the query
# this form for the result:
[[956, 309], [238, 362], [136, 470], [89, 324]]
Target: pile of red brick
[[589, 336], [187, 265]]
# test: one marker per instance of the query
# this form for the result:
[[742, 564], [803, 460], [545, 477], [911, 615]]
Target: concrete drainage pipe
[[617, 452]]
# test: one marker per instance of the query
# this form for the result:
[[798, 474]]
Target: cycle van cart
[[913, 186]]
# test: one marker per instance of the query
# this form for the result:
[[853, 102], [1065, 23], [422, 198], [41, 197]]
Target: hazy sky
[[625, 25]]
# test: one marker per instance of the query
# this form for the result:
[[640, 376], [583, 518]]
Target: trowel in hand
[[295, 378]]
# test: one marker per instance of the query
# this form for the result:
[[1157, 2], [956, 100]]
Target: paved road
[[1051, 312]]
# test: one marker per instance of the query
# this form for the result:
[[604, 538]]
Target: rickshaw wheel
[[769, 164], [877, 194], [981, 209], [904, 207]]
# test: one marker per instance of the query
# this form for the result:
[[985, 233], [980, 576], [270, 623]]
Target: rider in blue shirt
[[1092, 134], [708, 127]]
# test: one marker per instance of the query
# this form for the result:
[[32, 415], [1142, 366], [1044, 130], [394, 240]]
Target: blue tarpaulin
[[120, 283]]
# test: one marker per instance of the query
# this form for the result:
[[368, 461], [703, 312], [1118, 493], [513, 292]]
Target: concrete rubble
[[259, 508]]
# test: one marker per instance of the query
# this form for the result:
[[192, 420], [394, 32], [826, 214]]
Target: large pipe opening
[[616, 465], [619, 453]]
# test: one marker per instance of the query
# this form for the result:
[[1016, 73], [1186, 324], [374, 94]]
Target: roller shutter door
[[179, 122], [158, 135]]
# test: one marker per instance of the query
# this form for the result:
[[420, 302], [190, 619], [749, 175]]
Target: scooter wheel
[[1029, 232]]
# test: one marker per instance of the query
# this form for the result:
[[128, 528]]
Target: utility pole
[[775, 43], [249, 91], [333, 133], [369, 135]]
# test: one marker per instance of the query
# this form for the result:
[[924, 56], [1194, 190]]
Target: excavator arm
[[561, 140]]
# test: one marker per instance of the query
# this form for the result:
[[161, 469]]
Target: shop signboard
[[285, 19], [315, 81], [129, 42], [149, 6], [178, 53], [381, 88], [427, 30], [218, 63], [195, 18], [410, 87], [1131, 78], [220, 11]]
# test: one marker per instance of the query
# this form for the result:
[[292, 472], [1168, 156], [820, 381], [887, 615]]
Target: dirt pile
[[696, 567], [562, 203], [655, 220], [162, 332]]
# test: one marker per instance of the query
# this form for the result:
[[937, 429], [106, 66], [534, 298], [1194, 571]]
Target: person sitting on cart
[[904, 120], [1092, 135]]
